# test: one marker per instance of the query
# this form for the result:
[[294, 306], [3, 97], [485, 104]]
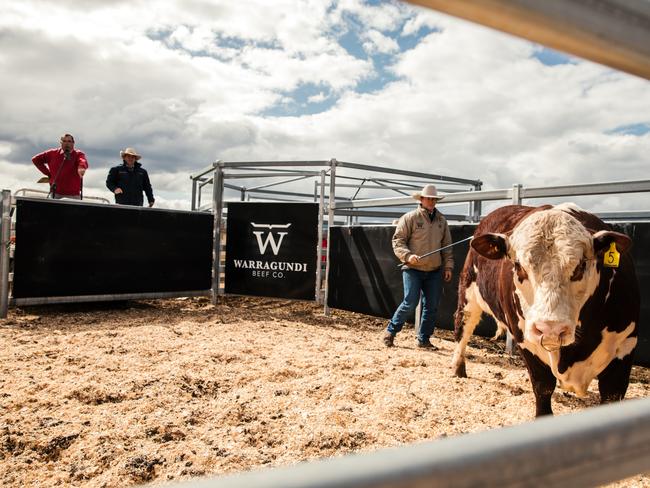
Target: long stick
[[438, 250]]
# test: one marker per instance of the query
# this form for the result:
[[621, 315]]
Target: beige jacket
[[417, 234]]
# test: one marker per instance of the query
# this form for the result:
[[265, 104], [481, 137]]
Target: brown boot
[[388, 339]]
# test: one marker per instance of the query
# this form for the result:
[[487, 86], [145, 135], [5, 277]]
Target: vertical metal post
[[217, 210], [242, 192], [516, 194], [5, 239], [319, 248], [194, 206], [477, 205], [331, 204], [516, 200]]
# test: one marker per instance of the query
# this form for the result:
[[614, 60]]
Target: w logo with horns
[[263, 243]]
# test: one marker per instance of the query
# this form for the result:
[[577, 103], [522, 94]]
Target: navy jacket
[[132, 182]]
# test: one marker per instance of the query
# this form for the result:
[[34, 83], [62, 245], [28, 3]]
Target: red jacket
[[68, 182]]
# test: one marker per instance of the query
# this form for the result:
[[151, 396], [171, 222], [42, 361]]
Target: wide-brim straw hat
[[130, 151], [428, 191]]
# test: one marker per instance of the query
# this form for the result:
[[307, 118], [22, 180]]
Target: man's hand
[[413, 258], [447, 275], [81, 171], [151, 203], [118, 191]]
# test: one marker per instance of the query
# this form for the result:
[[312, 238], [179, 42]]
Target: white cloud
[[379, 43], [185, 83], [320, 97]]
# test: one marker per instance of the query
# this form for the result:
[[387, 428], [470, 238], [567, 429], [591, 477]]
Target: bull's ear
[[491, 246], [604, 238]]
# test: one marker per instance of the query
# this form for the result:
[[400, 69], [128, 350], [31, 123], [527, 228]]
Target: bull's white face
[[555, 273]]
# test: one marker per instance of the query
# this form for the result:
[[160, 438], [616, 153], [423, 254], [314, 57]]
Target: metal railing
[[600, 445], [26, 192], [327, 192], [7, 205]]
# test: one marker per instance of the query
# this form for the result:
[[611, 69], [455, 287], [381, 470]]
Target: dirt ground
[[117, 394]]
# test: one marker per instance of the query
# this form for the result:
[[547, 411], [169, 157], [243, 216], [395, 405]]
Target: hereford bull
[[540, 273]]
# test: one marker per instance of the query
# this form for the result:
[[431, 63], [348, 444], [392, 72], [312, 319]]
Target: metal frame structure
[[333, 178], [327, 176]]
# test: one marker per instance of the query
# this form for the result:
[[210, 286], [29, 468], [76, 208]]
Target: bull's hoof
[[460, 371]]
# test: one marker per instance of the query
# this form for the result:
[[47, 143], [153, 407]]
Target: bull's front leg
[[614, 379], [466, 318], [543, 382]]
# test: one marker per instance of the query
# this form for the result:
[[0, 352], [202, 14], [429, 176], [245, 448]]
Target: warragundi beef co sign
[[271, 249]]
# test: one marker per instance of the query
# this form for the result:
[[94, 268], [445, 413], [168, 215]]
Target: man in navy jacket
[[129, 179]]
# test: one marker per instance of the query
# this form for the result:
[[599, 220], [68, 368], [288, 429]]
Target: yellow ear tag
[[611, 257]]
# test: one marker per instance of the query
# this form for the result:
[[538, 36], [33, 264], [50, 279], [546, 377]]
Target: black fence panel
[[364, 276], [271, 249], [68, 248], [640, 234]]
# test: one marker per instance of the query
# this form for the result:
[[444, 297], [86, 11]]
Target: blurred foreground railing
[[590, 448]]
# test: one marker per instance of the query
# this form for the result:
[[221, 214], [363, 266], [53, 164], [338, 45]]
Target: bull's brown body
[[493, 281]]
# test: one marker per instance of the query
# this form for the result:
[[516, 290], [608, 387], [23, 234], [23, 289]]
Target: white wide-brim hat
[[429, 191], [131, 152]]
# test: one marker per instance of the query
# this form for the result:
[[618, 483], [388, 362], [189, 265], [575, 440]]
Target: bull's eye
[[521, 272], [579, 272]]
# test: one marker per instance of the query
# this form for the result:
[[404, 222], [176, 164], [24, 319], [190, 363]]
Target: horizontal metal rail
[[106, 298], [270, 175], [628, 216], [587, 189], [416, 174], [289, 193], [387, 214], [23, 192], [238, 164], [506, 194], [590, 448], [612, 32]]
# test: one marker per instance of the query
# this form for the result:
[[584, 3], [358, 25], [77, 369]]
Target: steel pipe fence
[[612, 32], [599, 445], [19, 302], [7, 207], [354, 208]]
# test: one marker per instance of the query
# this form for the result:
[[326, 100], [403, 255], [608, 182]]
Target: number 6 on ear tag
[[611, 257]]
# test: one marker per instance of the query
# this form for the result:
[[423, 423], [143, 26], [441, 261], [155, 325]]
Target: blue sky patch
[[549, 57], [639, 129], [306, 99]]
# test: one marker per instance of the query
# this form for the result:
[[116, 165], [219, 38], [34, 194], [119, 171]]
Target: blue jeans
[[429, 284]]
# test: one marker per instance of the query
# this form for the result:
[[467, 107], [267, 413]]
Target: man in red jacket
[[65, 168]]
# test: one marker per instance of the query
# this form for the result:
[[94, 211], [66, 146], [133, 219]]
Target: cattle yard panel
[[330, 184], [597, 446], [41, 284], [328, 176]]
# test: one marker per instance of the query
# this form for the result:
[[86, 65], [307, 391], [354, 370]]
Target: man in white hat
[[128, 180], [419, 232]]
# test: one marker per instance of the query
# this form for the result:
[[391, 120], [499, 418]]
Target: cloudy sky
[[375, 82]]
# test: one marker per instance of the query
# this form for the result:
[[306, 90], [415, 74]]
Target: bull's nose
[[553, 335]]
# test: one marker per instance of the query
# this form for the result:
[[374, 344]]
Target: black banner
[[66, 248], [271, 249], [364, 276]]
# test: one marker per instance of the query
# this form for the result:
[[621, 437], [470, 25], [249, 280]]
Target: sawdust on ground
[[117, 394]]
